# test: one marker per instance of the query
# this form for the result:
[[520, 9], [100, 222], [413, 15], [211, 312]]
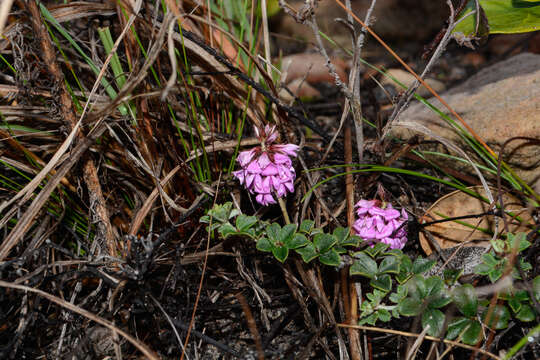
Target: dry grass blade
[[25, 194], [422, 129], [26, 220], [67, 305], [427, 337], [411, 354]]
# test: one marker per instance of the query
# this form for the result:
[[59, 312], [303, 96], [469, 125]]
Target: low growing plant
[[398, 286]]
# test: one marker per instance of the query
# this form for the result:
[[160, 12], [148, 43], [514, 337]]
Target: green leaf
[[371, 319], [377, 248], [440, 301], [406, 263], [323, 242], [363, 265], [263, 244], [272, 231], [306, 226], [205, 219], [536, 287], [435, 319], [280, 252], [457, 327], [495, 274], [466, 300], [384, 315], [514, 304], [499, 317], [226, 230], [473, 333], [410, 307], [526, 313], [352, 240], [417, 287], [330, 258], [504, 17], [400, 294], [376, 296], [498, 245], [394, 252], [483, 269], [522, 295], [382, 282], [402, 277], [469, 330], [244, 222], [525, 266], [308, 252], [451, 276], [518, 240], [341, 234], [421, 265], [297, 241], [286, 233], [389, 265], [489, 259], [434, 286]]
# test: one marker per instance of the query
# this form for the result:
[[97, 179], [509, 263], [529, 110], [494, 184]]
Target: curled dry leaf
[[451, 233]]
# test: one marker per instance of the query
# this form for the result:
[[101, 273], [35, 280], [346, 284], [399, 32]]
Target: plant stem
[[284, 210]]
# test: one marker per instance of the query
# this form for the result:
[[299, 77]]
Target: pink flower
[[381, 224], [267, 170]]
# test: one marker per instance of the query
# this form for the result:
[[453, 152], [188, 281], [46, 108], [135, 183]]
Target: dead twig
[[427, 337]]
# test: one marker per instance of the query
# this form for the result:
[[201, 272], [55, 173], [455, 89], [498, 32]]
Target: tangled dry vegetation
[[119, 131]]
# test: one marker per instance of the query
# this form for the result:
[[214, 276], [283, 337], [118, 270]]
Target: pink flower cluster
[[381, 224], [267, 170]]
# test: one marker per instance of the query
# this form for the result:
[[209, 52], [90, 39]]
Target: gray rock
[[500, 102], [464, 258]]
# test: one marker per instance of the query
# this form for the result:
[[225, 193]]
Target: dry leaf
[[450, 234]]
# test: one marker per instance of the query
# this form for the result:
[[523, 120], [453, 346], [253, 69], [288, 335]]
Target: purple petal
[[260, 199], [288, 149], [253, 168], [282, 159], [240, 175], [266, 186], [263, 160], [249, 181], [375, 210], [385, 231], [269, 199], [270, 170], [281, 190], [366, 203], [404, 214], [245, 157], [390, 214], [367, 233], [289, 185], [271, 134]]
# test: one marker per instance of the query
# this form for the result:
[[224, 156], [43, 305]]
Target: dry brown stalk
[[97, 200]]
